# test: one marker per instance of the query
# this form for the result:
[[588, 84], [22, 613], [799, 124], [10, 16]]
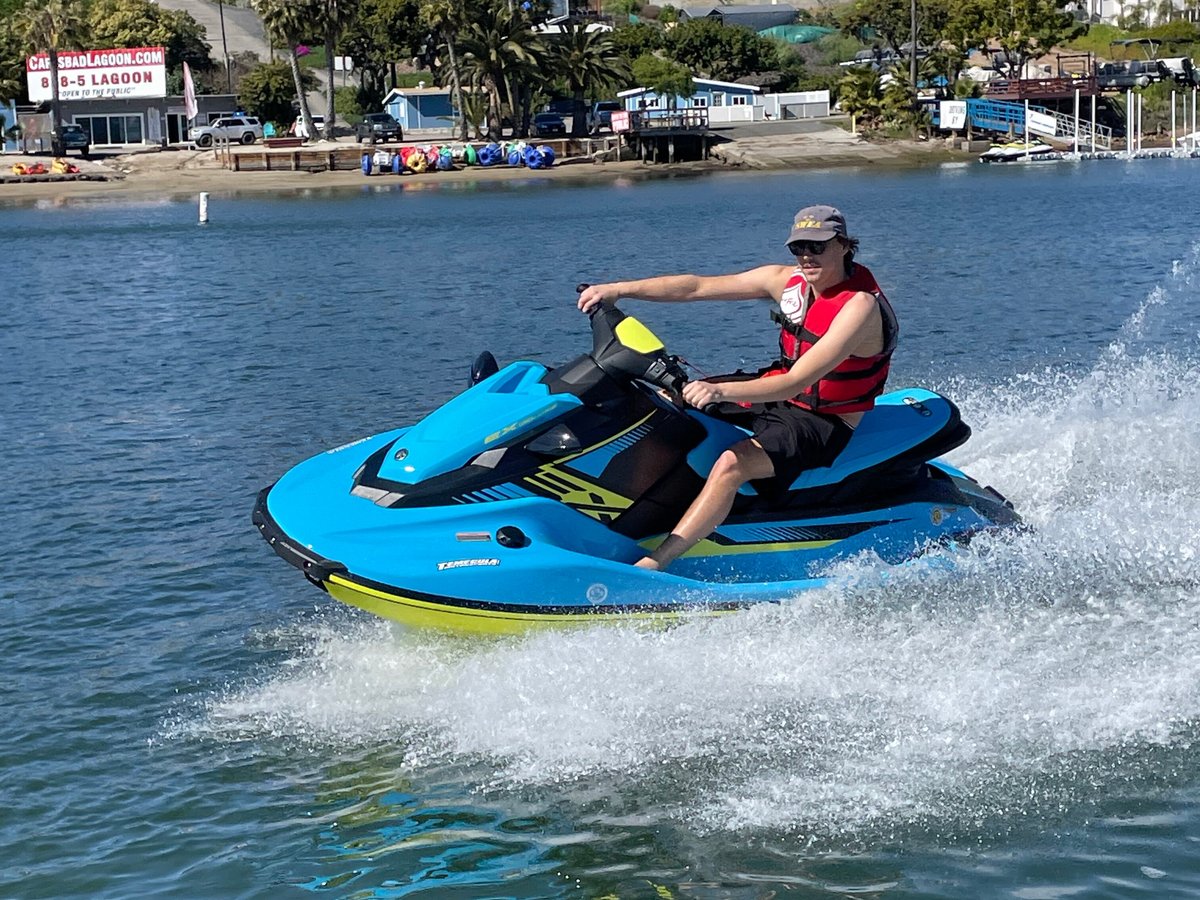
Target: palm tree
[[288, 21], [589, 63], [336, 16], [496, 47], [861, 95], [446, 18], [52, 25]]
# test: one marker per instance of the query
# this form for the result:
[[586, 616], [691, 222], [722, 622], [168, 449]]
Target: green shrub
[[346, 105], [413, 79]]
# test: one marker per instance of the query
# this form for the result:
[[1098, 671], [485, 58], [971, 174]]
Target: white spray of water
[[1014, 683]]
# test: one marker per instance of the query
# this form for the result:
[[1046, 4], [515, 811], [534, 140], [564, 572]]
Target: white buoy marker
[[204, 207]]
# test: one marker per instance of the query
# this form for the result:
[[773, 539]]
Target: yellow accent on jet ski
[[416, 613], [606, 441], [580, 494], [636, 336], [707, 547]]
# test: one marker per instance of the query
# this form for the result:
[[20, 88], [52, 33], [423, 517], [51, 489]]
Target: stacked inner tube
[[490, 154], [433, 158]]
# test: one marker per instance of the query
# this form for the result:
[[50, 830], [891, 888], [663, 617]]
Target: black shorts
[[796, 439]]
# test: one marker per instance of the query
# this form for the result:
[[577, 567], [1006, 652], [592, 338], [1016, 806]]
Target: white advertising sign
[[619, 120], [954, 114], [100, 74], [1041, 123]]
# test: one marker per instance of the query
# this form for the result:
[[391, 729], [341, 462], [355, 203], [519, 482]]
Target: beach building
[[119, 97], [728, 103], [421, 108], [723, 101]]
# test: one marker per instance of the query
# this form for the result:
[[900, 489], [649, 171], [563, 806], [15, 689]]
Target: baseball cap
[[817, 223]]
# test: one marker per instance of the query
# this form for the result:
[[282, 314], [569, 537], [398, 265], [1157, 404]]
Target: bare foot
[[647, 562]]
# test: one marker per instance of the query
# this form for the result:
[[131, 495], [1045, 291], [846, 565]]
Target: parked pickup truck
[[600, 115], [71, 137], [380, 126]]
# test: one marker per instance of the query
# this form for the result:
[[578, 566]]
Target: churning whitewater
[[1029, 675]]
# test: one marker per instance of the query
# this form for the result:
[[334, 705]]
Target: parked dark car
[[71, 137], [382, 126], [548, 125]]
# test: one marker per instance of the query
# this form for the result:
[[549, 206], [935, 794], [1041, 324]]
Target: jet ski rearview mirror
[[485, 366]]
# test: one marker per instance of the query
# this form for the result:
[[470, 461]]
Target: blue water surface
[[187, 717]]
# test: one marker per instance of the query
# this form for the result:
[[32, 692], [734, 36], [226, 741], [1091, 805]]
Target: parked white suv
[[243, 129]]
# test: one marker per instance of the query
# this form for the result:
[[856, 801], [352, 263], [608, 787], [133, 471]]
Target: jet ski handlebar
[[622, 345]]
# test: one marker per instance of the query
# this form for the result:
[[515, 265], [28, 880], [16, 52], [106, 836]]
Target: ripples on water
[[1023, 723]]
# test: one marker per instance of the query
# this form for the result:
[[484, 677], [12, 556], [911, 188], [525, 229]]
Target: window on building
[[700, 101], [112, 129], [738, 100]]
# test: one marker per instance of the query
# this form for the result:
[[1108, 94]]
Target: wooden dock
[[671, 135]]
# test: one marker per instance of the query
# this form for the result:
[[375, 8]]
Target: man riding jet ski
[[528, 498], [837, 334]]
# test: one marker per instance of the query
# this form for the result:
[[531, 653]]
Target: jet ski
[[524, 500], [1017, 151]]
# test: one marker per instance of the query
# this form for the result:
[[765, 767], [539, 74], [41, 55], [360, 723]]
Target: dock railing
[[691, 118]]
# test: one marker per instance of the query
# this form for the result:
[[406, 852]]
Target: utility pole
[[912, 47], [225, 47]]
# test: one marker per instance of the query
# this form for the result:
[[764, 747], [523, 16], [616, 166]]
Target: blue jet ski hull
[[489, 516]]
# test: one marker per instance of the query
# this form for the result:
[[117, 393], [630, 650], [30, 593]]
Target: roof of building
[[633, 92], [697, 12]]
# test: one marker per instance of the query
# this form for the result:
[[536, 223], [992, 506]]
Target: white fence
[[794, 105]]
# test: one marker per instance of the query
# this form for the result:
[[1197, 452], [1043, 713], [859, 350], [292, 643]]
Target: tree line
[[500, 67]]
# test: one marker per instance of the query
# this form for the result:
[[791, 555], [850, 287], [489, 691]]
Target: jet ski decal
[[578, 493]]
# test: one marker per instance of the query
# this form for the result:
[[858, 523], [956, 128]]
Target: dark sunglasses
[[809, 248]]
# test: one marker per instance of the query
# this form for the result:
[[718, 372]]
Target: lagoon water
[[185, 716]]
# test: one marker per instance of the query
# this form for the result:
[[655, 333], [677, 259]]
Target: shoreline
[[179, 174]]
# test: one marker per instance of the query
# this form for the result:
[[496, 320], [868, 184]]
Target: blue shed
[[421, 108]]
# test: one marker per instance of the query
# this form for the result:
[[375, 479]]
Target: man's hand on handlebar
[[702, 393], [595, 295]]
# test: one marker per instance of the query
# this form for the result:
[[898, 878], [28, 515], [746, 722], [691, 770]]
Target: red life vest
[[855, 383]]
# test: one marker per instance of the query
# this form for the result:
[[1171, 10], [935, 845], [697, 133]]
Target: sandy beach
[[177, 173]]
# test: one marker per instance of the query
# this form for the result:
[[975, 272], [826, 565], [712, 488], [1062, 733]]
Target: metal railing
[[998, 115], [688, 118]]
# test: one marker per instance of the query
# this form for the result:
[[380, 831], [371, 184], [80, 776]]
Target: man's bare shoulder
[[770, 279]]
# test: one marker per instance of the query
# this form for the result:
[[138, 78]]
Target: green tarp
[[797, 34]]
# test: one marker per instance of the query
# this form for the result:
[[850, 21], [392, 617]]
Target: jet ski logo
[[467, 563]]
